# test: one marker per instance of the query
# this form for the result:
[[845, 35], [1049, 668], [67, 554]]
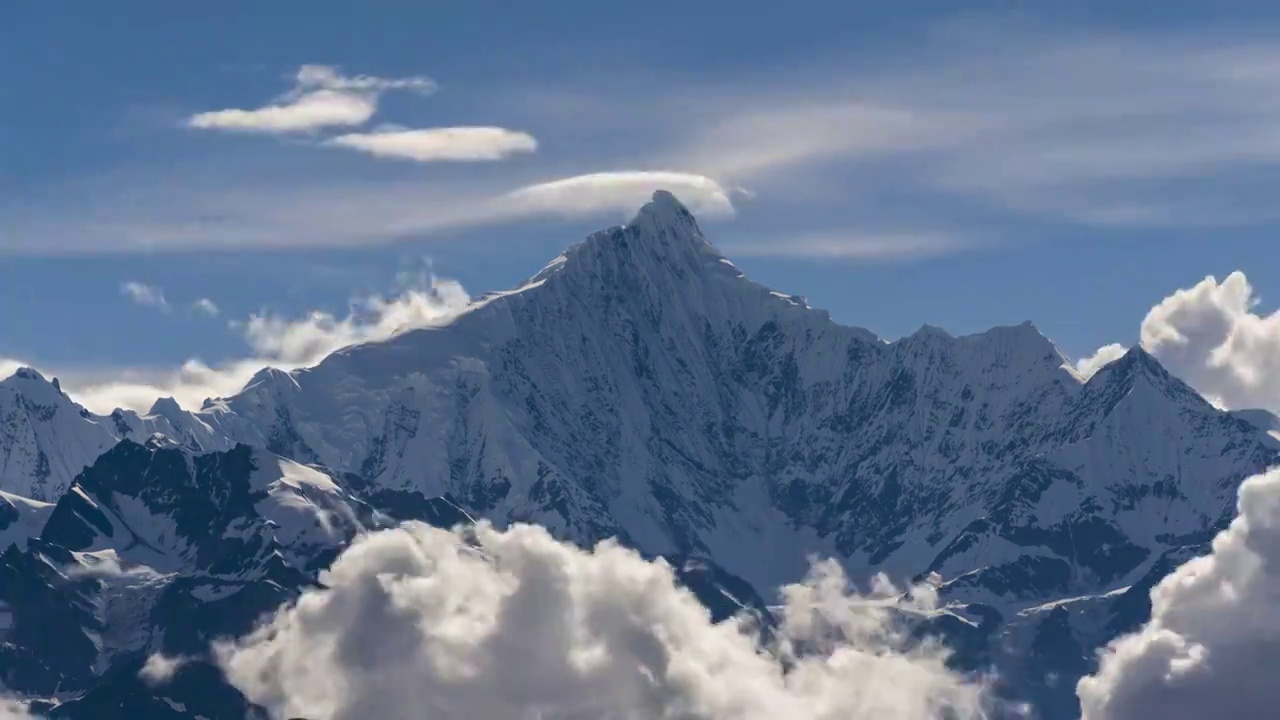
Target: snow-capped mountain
[[46, 438], [640, 386]]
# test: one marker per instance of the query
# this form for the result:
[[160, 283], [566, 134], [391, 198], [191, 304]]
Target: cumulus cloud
[[273, 340], [419, 622], [1213, 641], [439, 144], [207, 307], [1087, 366], [300, 341], [620, 192], [1213, 336], [321, 97], [145, 295], [160, 668]]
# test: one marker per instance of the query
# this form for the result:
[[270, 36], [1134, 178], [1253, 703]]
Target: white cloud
[[439, 144], [273, 340], [145, 295], [978, 130], [1212, 644], [617, 192], [15, 710], [321, 98], [853, 246], [310, 111], [754, 139], [417, 622], [207, 307], [1212, 336], [160, 668], [1115, 131], [9, 366], [1106, 354], [304, 341]]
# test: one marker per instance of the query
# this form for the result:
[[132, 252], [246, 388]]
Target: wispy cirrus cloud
[[266, 213], [322, 97], [854, 245], [982, 131], [456, 144], [145, 295]]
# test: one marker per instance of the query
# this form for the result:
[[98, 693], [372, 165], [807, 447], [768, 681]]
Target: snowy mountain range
[[641, 387]]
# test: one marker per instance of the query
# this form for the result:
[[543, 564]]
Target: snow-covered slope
[[21, 518], [46, 439]]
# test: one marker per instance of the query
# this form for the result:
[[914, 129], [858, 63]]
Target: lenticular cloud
[[418, 622]]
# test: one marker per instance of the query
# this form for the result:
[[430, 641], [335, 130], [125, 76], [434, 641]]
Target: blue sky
[[896, 163]]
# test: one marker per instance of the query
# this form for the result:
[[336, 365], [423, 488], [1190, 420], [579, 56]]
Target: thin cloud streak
[[445, 144], [854, 246], [323, 215]]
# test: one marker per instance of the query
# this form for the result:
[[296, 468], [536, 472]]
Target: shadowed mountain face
[[641, 387], [157, 549]]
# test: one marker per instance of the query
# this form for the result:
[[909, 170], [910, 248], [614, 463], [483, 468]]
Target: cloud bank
[[1212, 645], [510, 625], [321, 98]]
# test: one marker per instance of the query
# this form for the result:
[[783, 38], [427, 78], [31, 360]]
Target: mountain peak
[[663, 207], [1136, 367], [663, 238], [28, 374], [28, 381], [666, 220], [166, 407]]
